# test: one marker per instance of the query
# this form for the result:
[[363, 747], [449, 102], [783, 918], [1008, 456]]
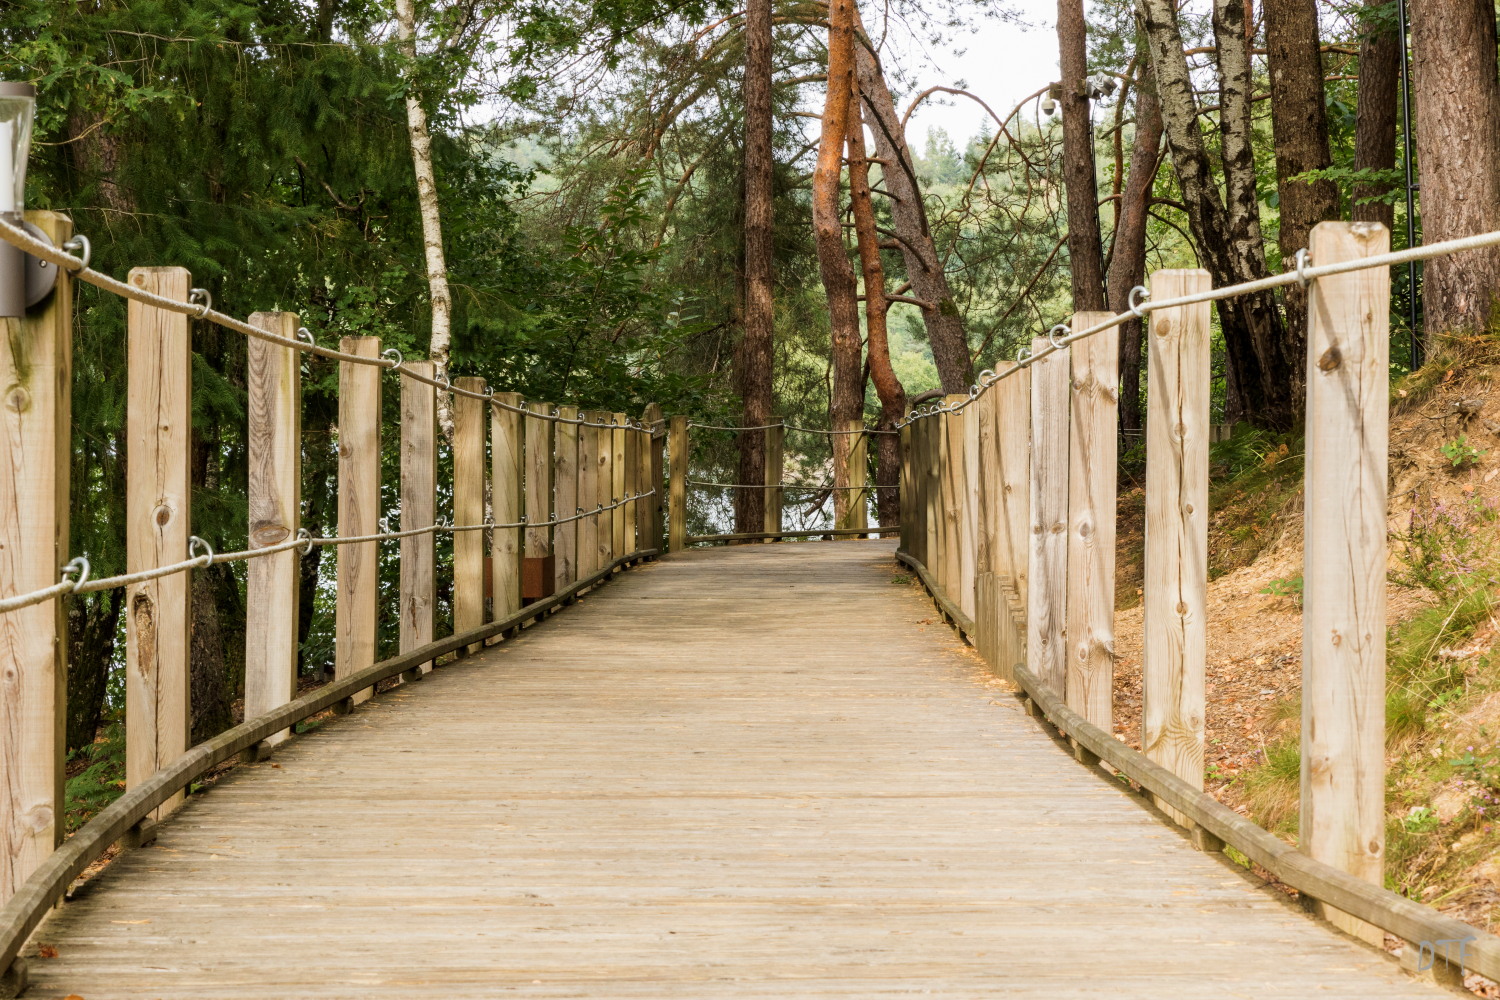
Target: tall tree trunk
[[888, 387], [1375, 114], [1458, 122], [929, 283], [756, 356], [846, 400], [439, 344], [93, 623], [1127, 262], [1299, 130], [1085, 247]]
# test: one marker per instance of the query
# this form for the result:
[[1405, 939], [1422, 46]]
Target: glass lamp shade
[[17, 110]]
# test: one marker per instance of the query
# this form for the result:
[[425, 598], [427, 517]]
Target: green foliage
[[1285, 587], [102, 777], [1449, 548], [1460, 452], [1420, 819]]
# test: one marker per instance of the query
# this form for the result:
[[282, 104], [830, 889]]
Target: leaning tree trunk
[[1299, 129], [1085, 247], [1375, 115], [1458, 121], [888, 386], [755, 357], [846, 400], [924, 271], [440, 342], [1127, 262]]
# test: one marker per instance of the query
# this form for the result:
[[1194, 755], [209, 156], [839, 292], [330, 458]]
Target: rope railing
[[790, 427], [1303, 273]]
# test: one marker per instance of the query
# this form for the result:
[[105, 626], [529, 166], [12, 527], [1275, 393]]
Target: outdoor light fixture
[[24, 280], [1049, 103]]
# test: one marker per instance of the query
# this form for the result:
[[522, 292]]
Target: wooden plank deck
[[763, 771]]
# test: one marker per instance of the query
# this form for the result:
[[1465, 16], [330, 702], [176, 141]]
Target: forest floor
[[1443, 673]]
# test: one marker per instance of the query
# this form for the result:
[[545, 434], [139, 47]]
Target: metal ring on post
[[206, 297], [194, 542], [306, 336], [1134, 303], [307, 541], [1052, 336], [385, 525], [79, 565], [1023, 356], [397, 361], [1301, 260], [78, 243]]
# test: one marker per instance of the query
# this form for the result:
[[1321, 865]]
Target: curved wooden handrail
[[1412, 922], [25, 910]]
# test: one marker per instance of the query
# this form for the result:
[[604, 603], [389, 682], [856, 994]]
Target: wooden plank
[[1175, 590], [618, 473], [952, 557], [355, 616], [272, 583], [417, 600], [507, 502], [565, 494], [932, 491], [468, 505], [158, 524], [1013, 429], [775, 437], [539, 507], [989, 584], [1092, 461], [588, 495], [1344, 567], [968, 507], [1047, 568], [677, 466], [36, 376]]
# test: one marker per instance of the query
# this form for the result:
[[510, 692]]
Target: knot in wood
[[18, 400], [270, 533], [1331, 359], [162, 515]]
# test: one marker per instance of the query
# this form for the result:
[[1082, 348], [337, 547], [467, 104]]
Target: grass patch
[[1256, 482]]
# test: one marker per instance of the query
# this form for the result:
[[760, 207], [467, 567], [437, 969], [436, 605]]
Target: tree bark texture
[[888, 387], [1127, 262], [1299, 133], [929, 283], [1375, 117], [1458, 122], [1085, 247], [846, 398], [756, 351]]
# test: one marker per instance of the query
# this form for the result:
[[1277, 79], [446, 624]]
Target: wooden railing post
[[968, 508], [1093, 458], [538, 564], [656, 436], [1344, 568], [35, 450], [618, 480], [565, 491], [951, 556], [854, 443], [989, 590], [775, 470], [418, 586], [158, 524], [588, 496], [677, 468], [1047, 604], [907, 492], [606, 479], [507, 504], [1013, 429], [272, 583], [645, 508], [932, 493], [355, 617], [1175, 591], [468, 507], [633, 517]]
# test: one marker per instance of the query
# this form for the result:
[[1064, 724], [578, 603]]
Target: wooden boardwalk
[[755, 772]]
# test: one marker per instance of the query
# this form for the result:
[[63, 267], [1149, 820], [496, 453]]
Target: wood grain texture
[[1047, 559], [1344, 566], [907, 492], [468, 505], [539, 509], [775, 472], [1093, 458], [932, 492], [588, 495], [678, 445], [632, 489], [36, 447], [968, 508], [1013, 423], [681, 788], [855, 442], [507, 502], [951, 498], [359, 509], [272, 605], [608, 552], [1175, 590], [619, 479], [158, 524], [417, 597], [565, 494], [656, 464]]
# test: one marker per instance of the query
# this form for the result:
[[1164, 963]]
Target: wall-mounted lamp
[[24, 280]]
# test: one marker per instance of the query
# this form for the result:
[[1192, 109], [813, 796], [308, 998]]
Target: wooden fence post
[[272, 583], [607, 494], [418, 587], [1093, 457], [538, 565], [36, 361], [989, 591], [775, 470], [677, 468], [952, 497], [907, 491], [656, 435], [633, 488], [1344, 568], [618, 480], [647, 506], [359, 510], [468, 507], [565, 492], [932, 493], [507, 503], [968, 508], [1047, 605], [1175, 592], [855, 444], [158, 524], [588, 496]]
